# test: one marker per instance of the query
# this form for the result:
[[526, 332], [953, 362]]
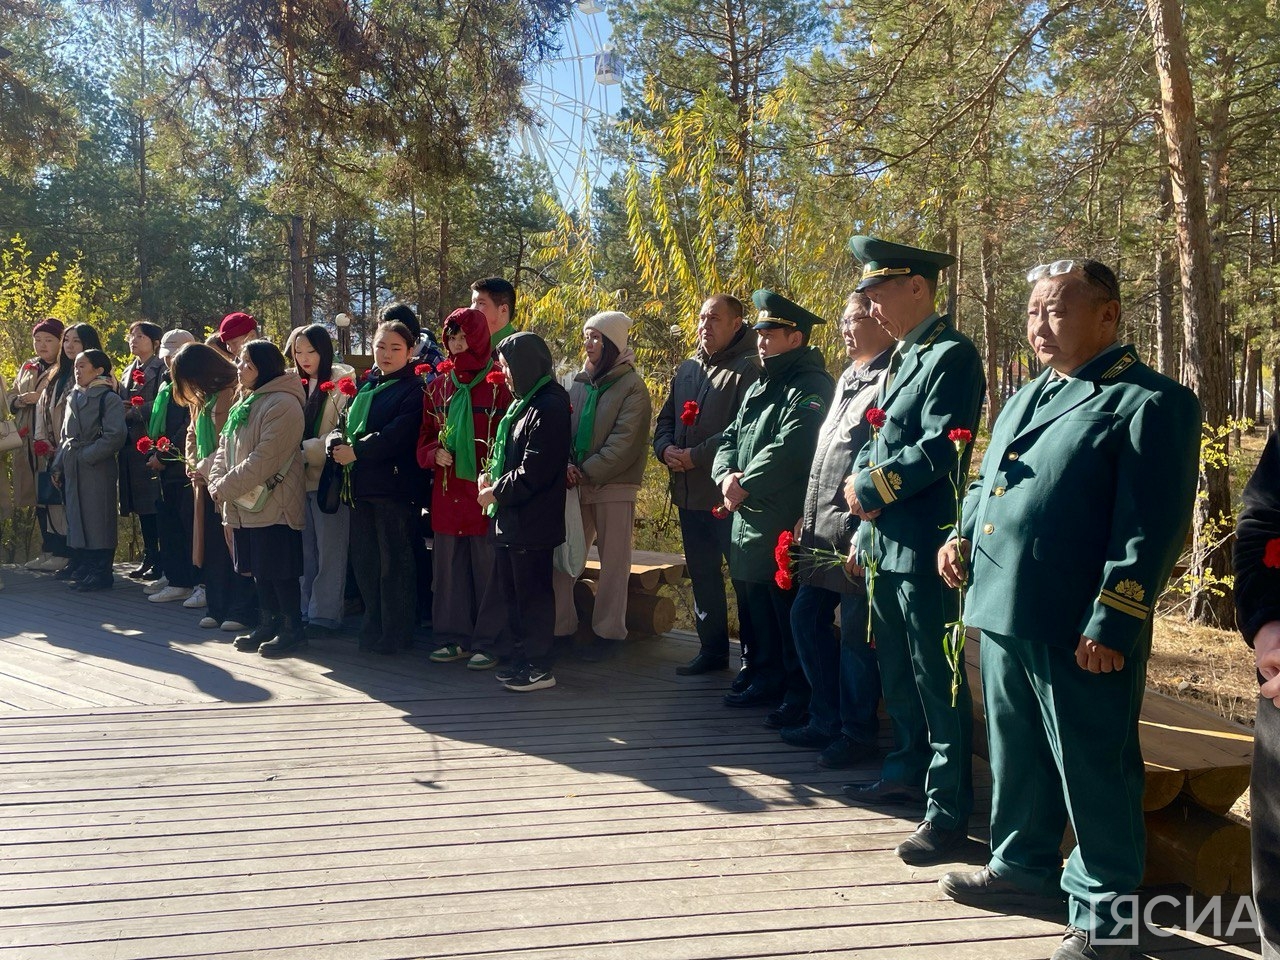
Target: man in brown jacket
[[685, 440]]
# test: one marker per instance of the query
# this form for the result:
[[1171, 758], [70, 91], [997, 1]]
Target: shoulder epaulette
[[1119, 367]]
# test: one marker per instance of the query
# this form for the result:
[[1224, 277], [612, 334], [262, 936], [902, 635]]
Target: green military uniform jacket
[[771, 441], [1082, 505], [909, 466]]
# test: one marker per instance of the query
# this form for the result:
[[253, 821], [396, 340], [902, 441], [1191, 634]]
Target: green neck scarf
[[497, 338], [159, 412], [238, 414], [206, 436], [459, 435], [587, 421], [499, 455], [358, 412]]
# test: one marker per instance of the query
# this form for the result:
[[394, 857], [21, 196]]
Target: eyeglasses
[[1093, 271]]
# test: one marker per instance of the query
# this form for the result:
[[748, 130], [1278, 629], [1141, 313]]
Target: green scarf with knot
[[358, 412], [238, 414], [206, 436], [499, 455], [587, 421], [459, 434], [159, 412]]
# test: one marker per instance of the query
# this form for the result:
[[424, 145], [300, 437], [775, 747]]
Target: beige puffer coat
[[269, 442], [313, 451]]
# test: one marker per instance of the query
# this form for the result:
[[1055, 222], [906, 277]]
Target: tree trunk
[[442, 296], [1166, 274], [297, 273], [1202, 319], [145, 306], [309, 288]]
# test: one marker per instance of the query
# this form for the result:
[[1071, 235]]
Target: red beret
[[236, 325], [51, 325]]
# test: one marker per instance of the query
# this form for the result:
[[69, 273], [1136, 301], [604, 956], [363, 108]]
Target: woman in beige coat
[[21, 400], [257, 482], [610, 432]]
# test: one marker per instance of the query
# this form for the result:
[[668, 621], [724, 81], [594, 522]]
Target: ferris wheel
[[572, 97]]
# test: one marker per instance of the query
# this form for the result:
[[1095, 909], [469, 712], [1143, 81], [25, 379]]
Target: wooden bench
[[1197, 767], [649, 613]]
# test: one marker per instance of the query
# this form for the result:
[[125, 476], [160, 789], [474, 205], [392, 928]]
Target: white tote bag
[[571, 556]]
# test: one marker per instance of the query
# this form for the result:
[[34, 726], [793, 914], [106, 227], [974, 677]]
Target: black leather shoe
[[806, 737], [985, 889], [742, 680], [930, 844], [845, 752], [94, 582], [1076, 946], [290, 640], [702, 664], [787, 715], [884, 792], [754, 696]]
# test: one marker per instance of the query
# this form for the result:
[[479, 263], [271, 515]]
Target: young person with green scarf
[[461, 412], [523, 490], [612, 412], [205, 383], [378, 444], [259, 460], [175, 510]]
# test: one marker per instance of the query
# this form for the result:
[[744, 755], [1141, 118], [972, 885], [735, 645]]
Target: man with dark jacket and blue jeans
[[523, 490], [685, 440]]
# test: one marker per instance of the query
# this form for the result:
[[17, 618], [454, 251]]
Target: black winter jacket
[[387, 455]]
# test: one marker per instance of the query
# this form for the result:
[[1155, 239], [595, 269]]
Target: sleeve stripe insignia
[[812, 402], [883, 486], [1120, 366], [1123, 605]]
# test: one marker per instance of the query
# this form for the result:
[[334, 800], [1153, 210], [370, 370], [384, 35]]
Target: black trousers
[[517, 618], [229, 595], [175, 514], [382, 533], [706, 551], [774, 662]]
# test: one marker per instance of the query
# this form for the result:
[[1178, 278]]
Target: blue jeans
[[706, 552], [842, 671]]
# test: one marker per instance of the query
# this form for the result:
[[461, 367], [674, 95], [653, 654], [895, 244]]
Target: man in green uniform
[[1070, 534], [762, 469], [902, 488]]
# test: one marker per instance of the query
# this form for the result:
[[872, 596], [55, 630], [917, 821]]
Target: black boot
[[288, 641], [269, 619], [97, 572], [147, 569]]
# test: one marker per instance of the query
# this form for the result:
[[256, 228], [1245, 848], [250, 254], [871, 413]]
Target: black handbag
[[48, 494], [329, 493]]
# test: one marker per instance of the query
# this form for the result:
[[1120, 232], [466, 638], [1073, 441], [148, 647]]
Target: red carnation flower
[[783, 579], [137, 401], [164, 444], [782, 557], [495, 378], [41, 448], [719, 512], [876, 417], [1272, 556], [347, 386], [444, 366], [304, 380], [960, 436], [328, 386], [139, 377], [144, 445], [689, 415], [23, 431], [422, 369]]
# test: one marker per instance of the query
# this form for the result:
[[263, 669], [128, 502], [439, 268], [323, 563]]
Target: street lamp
[[343, 322]]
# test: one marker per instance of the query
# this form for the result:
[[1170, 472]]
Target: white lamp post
[[343, 322]]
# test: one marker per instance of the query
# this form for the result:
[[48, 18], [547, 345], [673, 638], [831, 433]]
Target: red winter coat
[[454, 510]]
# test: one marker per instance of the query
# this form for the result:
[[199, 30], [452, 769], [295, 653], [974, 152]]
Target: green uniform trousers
[[1064, 746], [933, 741]]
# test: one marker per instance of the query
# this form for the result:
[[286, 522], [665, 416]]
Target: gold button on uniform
[[988, 528], [1013, 455], [998, 492]]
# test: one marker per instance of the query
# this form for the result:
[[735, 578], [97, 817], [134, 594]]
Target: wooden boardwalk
[[166, 796]]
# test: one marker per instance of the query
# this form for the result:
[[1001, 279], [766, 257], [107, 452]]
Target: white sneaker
[[155, 586], [37, 563], [169, 594], [231, 626], [54, 564], [208, 623], [197, 600]]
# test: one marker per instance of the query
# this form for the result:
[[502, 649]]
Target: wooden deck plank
[[364, 809]]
